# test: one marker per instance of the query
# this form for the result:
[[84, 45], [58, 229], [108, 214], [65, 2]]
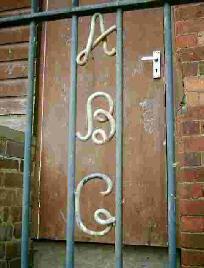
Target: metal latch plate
[[156, 58]]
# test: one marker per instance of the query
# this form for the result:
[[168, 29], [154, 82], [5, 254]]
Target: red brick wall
[[11, 177], [13, 90], [189, 48]]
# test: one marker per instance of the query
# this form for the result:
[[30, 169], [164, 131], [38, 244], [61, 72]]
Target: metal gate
[[116, 125]]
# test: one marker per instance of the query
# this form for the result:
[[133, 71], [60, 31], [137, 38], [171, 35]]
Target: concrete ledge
[[51, 254]]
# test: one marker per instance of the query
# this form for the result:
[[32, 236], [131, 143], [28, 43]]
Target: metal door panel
[[144, 183]]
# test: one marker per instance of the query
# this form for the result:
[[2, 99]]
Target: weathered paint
[[144, 153], [14, 35], [14, 106]]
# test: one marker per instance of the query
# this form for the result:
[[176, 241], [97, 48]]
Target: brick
[[15, 149], [15, 214], [17, 230], [6, 231], [192, 99], [2, 250], [190, 26], [14, 35], [194, 84], [191, 127], [201, 39], [179, 128], [7, 197], [195, 99], [186, 41], [189, 12], [202, 158], [184, 266], [181, 25], [4, 213], [191, 207], [193, 241], [183, 117], [195, 190], [10, 4], [14, 180], [18, 197], [180, 146], [13, 106], [194, 113], [202, 127], [201, 68], [201, 99], [192, 224], [9, 164], [13, 69], [190, 159], [22, 166], [194, 144], [14, 52], [2, 178], [192, 257], [15, 263], [190, 69], [3, 264], [2, 146], [12, 249], [11, 214], [190, 54], [13, 88], [1, 214]]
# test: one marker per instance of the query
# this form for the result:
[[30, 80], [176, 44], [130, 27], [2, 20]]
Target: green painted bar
[[70, 228], [119, 139], [28, 145], [170, 137]]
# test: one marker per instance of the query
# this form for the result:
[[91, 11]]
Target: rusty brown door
[[144, 182]]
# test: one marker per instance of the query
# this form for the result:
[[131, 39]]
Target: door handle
[[156, 59]]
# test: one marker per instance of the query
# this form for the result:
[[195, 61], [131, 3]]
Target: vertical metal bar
[[170, 137], [119, 140], [72, 145], [28, 144]]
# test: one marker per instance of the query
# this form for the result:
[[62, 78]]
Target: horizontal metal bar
[[86, 10]]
